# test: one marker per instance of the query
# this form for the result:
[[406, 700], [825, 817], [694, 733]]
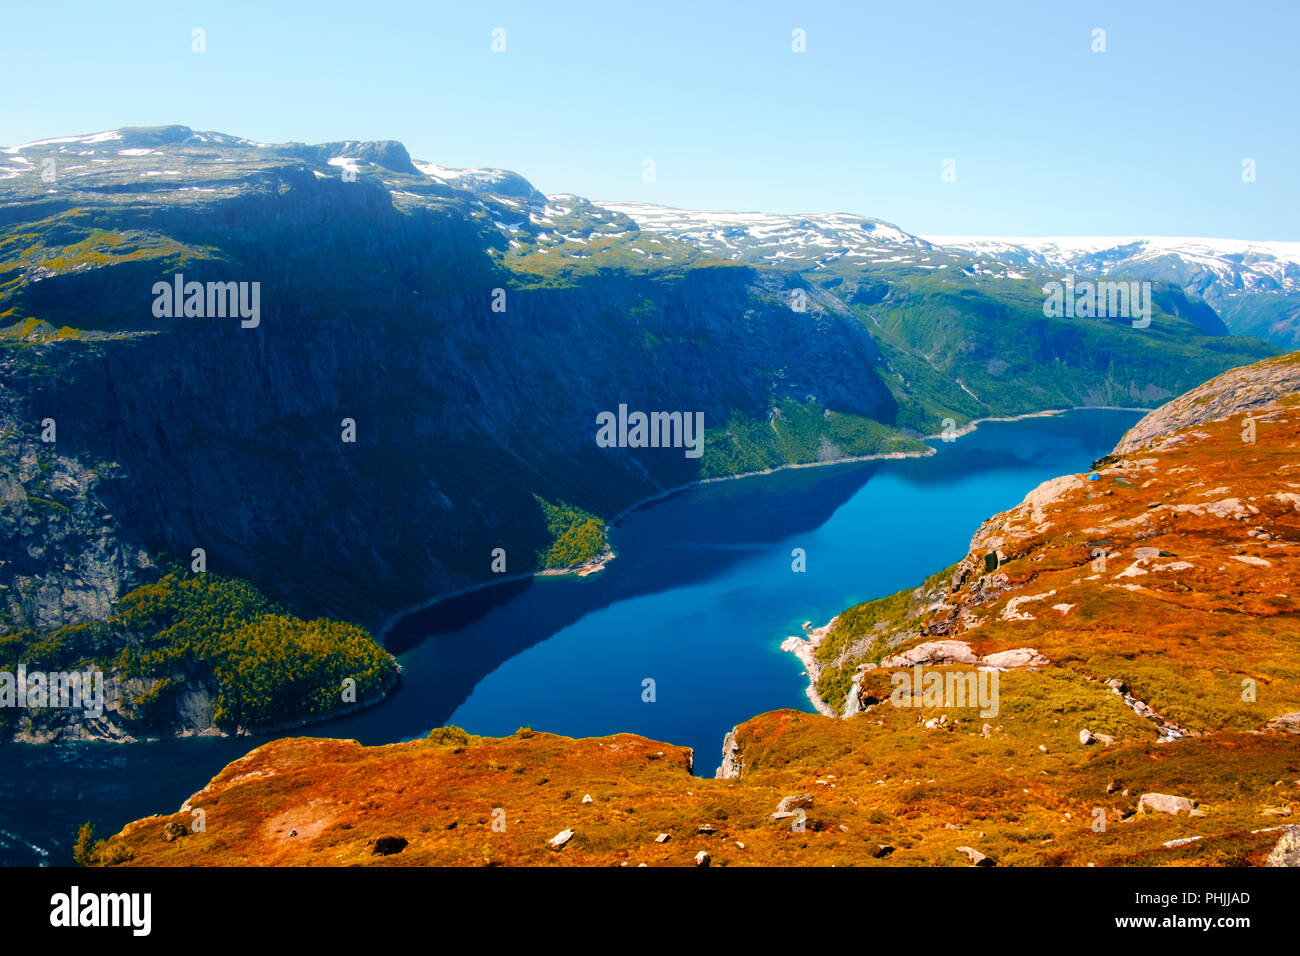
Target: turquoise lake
[[699, 599]]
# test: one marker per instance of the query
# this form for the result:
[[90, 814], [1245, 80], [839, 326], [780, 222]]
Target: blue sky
[[1049, 138]]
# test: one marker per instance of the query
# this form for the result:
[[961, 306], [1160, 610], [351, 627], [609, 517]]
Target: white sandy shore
[[806, 651]]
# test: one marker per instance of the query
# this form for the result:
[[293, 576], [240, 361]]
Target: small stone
[[707, 829], [174, 831], [586, 798], [702, 859], [557, 842], [882, 849], [662, 838], [1086, 737]]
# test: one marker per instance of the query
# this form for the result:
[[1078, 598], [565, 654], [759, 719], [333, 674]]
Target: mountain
[[391, 369], [1255, 286], [1139, 621], [763, 238]]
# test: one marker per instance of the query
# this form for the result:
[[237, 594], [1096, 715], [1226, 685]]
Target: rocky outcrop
[[1233, 393], [731, 767]]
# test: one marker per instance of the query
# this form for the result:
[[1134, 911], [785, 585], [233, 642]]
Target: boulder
[[975, 856], [1015, 658], [388, 845], [1286, 852], [933, 652], [702, 859], [1287, 723], [1164, 803], [789, 804], [174, 831], [557, 842]]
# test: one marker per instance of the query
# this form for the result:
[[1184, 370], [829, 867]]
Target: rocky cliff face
[[1236, 392], [211, 435], [66, 558]]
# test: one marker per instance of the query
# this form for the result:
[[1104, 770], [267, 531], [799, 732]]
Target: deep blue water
[[699, 600]]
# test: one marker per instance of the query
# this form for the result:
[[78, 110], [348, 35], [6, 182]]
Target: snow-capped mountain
[[766, 237], [1254, 285], [1214, 269]]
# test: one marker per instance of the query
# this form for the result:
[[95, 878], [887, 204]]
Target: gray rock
[[975, 856], [787, 806], [1164, 803], [1286, 852], [731, 767]]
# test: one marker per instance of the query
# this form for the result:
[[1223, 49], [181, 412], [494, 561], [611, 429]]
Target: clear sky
[[1048, 137]]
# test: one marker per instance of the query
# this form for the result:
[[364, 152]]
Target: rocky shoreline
[[806, 650]]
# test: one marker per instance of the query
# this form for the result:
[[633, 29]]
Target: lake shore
[[599, 564]]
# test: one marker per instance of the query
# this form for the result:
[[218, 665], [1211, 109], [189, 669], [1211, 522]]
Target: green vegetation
[[966, 346], [262, 665], [87, 851], [797, 432], [451, 736], [879, 621], [576, 536], [266, 666]]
